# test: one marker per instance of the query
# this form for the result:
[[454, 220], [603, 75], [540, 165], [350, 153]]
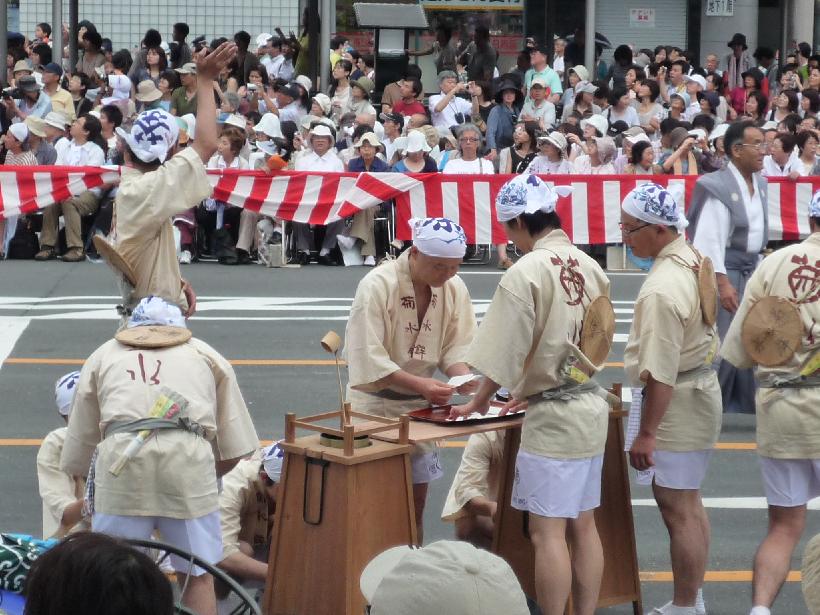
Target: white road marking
[[11, 328], [731, 503]]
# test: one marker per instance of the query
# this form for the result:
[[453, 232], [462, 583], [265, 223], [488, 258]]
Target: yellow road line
[[715, 576]]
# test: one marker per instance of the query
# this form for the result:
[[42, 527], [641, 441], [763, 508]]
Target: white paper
[[494, 411], [457, 381], [633, 426]]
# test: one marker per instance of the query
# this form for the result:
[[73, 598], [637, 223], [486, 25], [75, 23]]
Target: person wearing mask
[[85, 149]]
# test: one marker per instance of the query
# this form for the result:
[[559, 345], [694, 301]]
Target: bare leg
[[773, 557], [419, 500], [501, 250], [688, 526], [199, 596], [587, 562], [553, 570], [477, 530]]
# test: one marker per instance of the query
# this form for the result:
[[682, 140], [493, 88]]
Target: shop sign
[[641, 18], [720, 8]]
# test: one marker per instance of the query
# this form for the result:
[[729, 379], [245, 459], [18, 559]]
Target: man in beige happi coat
[[669, 353], [788, 406], [170, 482], [159, 181], [472, 500], [62, 494], [528, 343], [411, 317]]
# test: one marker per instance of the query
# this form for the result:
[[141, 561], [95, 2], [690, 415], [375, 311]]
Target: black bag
[[223, 247], [24, 245]]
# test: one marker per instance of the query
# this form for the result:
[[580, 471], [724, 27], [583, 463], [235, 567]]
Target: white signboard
[[720, 8], [641, 18]]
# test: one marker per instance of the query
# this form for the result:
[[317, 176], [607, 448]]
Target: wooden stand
[[620, 583], [337, 509]]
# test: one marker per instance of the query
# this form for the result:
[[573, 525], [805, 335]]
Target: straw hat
[[772, 331], [154, 323], [114, 259], [147, 91], [36, 126], [707, 291], [598, 330], [370, 138]]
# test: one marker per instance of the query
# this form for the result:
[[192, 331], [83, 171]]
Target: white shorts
[[425, 467], [790, 482], [201, 536], [560, 488], [677, 470]]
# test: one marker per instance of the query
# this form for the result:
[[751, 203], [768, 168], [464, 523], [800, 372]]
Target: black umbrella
[[600, 39]]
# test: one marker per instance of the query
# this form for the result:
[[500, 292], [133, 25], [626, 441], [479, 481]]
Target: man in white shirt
[[393, 125], [288, 109], [558, 46], [274, 59], [694, 84], [80, 152], [322, 159], [446, 108], [729, 224]]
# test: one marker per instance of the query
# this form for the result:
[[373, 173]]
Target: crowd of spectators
[[651, 111]]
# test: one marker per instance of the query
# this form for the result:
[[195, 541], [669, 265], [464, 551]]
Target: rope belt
[[183, 424], [569, 392], [795, 382], [394, 395]]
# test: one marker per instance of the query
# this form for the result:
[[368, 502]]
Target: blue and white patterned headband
[[655, 204], [814, 206], [272, 459], [526, 194], [439, 237], [64, 392], [156, 311]]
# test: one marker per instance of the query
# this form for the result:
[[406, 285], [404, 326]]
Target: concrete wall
[[125, 21]]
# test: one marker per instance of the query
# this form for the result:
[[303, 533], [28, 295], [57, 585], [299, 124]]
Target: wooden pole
[[290, 427]]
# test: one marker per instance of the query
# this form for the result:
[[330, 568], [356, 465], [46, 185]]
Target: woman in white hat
[[320, 105], [552, 156], [367, 146], [18, 154], [415, 158], [598, 159]]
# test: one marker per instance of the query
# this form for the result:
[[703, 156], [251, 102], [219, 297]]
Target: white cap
[[718, 131], [56, 119], [444, 578], [416, 142], [699, 79], [64, 390], [321, 130], [236, 120], [270, 125], [190, 122], [637, 138], [599, 122], [153, 134], [20, 131], [305, 82], [272, 459], [263, 39]]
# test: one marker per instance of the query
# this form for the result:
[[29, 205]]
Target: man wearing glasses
[[729, 223]]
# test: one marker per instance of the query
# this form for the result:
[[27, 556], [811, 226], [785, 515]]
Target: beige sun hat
[[147, 91]]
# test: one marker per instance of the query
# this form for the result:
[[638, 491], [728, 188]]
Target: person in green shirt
[[183, 99]]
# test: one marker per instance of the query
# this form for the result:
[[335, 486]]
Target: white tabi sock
[[760, 610]]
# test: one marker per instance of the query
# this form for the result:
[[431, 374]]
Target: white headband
[[272, 460], [156, 311], [154, 133], [439, 237], [655, 204], [64, 391], [526, 194]]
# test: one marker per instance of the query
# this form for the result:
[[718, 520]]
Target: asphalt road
[[53, 315]]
